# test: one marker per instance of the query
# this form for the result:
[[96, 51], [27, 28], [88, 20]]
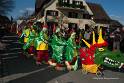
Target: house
[[74, 14], [101, 18], [115, 24], [67, 13]]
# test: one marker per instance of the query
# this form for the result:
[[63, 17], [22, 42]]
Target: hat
[[93, 41], [101, 42]]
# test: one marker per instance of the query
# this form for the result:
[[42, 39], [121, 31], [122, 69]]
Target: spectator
[[116, 39], [87, 35]]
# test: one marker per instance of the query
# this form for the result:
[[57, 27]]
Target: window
[[77, 4], [72, 15], [81, 3], [72, 26], [65, 1], [52, 13], [74, 2], [87, 16]]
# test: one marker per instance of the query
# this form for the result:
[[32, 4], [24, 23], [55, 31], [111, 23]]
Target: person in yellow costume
[[25, 35], [30, 42], [41, 45]]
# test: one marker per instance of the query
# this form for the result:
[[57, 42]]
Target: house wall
[[80, 21], [105, 26]]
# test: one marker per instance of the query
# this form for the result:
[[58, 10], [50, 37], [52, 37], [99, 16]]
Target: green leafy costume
[[30, 41], [57, 44], [70, 48], [42, 38], [24, 36], [109, 59]]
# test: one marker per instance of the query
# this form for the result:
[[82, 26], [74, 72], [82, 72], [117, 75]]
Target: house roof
[[39, 4], [115, 23], [98, 12]]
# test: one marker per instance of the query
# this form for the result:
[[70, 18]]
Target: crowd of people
[[56, 50], [64, 48]]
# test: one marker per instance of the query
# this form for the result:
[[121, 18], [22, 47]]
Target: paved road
[[25, 71], [18, 69]]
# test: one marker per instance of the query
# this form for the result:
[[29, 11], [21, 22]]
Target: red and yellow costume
[[42, 46], [87, 54]]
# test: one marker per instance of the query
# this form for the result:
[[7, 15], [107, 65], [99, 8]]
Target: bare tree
[[26, 14], [6, 6]]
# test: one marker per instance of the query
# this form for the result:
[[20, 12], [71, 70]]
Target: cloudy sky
[[114, 8], [21, 6]]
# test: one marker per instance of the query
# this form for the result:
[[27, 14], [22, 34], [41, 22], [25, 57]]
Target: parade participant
[[57, 44], [70, 51], [30, 43], [98, 55], [20, 26], [87, 57], [109, 59], [24, 37], [41, 45]]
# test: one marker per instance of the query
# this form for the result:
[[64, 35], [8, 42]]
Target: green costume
[[57, 45], [30, 41], [24, 36], [41, 40], [31, 37], [109, 59], [70, 48]]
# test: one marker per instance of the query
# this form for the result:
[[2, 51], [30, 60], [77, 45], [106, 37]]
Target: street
[[26, 71], [18, 69]]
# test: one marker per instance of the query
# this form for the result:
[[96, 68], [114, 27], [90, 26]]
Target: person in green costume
[[57, 44], [109, 59], [25, 37], [25, 34], [30, 42], [70, 51], [41, 45]]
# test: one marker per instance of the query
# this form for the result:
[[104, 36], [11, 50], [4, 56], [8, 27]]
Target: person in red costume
[[87, 55]]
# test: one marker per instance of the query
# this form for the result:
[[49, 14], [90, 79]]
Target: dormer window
[[72, 15], [87, 16], [52, 13], [74, 2]]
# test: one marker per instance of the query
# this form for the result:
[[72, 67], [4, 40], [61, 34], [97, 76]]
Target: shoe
[[44, 62], [59, 68], [69, 68], [32, 54], [38, 63], [51, 63]]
